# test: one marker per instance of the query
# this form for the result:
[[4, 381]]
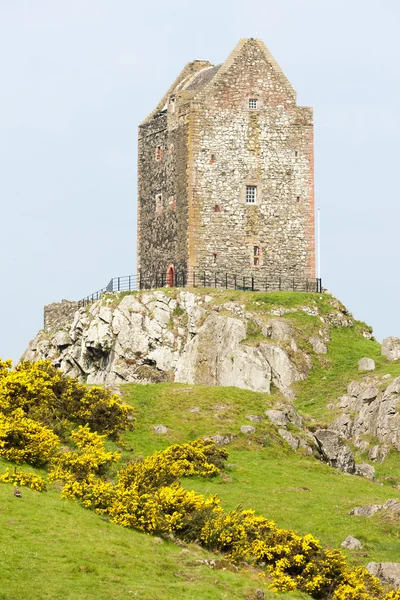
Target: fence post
[[252, 284], [140, 280], [215, 280], [280, 283], [194, 279], [234, 277], [226, 281], [204, 279], [266, 284], [244, 284], [162, 279], [293, 283]]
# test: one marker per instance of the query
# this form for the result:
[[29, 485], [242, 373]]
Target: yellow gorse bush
[[23, 440], [24, 479], [36, 399], [45, 394]]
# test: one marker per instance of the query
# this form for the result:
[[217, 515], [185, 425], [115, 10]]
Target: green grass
[[53, 548], [298, 492]]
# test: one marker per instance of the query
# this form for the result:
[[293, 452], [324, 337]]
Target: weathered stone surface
[[160, 429], [220, 440], [334, 450], [319, 346], [366, 364], [205, 134], [257, 418], [391, 505], [369, 410], [351, 543], [387, 572], [365, 511], [378, 453], [365, 470], [277, 417], [247, 429], [391, 348], [289, 438]]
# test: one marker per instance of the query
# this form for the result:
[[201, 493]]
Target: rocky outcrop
[[388, 573], [334, 450], [371, 408], [392, 506], [178, 336], [391, 348], [351, 543]]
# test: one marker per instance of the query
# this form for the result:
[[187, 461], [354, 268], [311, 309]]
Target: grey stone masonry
[[59, 313], [226, 173]]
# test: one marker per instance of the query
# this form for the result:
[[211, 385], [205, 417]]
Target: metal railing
[[195, 279]]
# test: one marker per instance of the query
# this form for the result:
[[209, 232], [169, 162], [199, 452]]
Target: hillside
[[276, 467]]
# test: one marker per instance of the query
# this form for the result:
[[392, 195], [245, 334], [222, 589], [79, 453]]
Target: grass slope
[[263, 473], [53, 548]]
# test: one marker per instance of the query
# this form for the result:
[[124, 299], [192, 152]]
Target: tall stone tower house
[[226, 174]]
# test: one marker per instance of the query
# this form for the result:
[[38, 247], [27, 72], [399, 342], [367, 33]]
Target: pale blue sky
[[77, 77]]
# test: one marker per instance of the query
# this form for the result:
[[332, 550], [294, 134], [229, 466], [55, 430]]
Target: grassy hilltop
[[53, 548]]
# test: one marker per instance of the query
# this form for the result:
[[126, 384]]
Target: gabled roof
[[198, 75]]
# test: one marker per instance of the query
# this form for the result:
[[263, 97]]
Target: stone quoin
[[226, 173]]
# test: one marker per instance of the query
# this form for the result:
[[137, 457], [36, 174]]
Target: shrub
[[45, 394], [24, 440], [24, 479]]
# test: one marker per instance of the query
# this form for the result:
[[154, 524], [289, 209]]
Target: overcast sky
[[77, 77]]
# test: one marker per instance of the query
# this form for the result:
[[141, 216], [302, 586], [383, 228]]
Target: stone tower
[[226, 174]]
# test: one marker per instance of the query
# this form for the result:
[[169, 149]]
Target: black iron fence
[[194, 279]]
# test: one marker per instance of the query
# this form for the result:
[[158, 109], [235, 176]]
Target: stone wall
[[213, 147], [59, 313]]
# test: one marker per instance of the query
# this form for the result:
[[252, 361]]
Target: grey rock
[[365, 511], [334, 450], [351, 543], [247, 429], [387, 572], [378, 453], [277, 417], [391, 348], [289, 438], [318, 345], [366, 364], [220, 440], [254, 418], [195, 409], [366, 470], [160, 429]]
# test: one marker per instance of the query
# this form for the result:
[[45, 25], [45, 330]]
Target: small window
[[296, 153], [256, 256], [159, 153], [251, 194], [159, 204], [171, 202], [252, 103], [215, 257], [217, 208], [298, 199], [212, 158], [172, 104]]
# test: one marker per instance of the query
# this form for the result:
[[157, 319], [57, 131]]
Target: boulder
[[318, 345], [220, 440], [289, 438], [334, 450], [378, 453], [366, 470], [387, 572], [351, 543], [366, 364], [160, 429], [277, 417], [247, 429], [391, 348], [366, 511]]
